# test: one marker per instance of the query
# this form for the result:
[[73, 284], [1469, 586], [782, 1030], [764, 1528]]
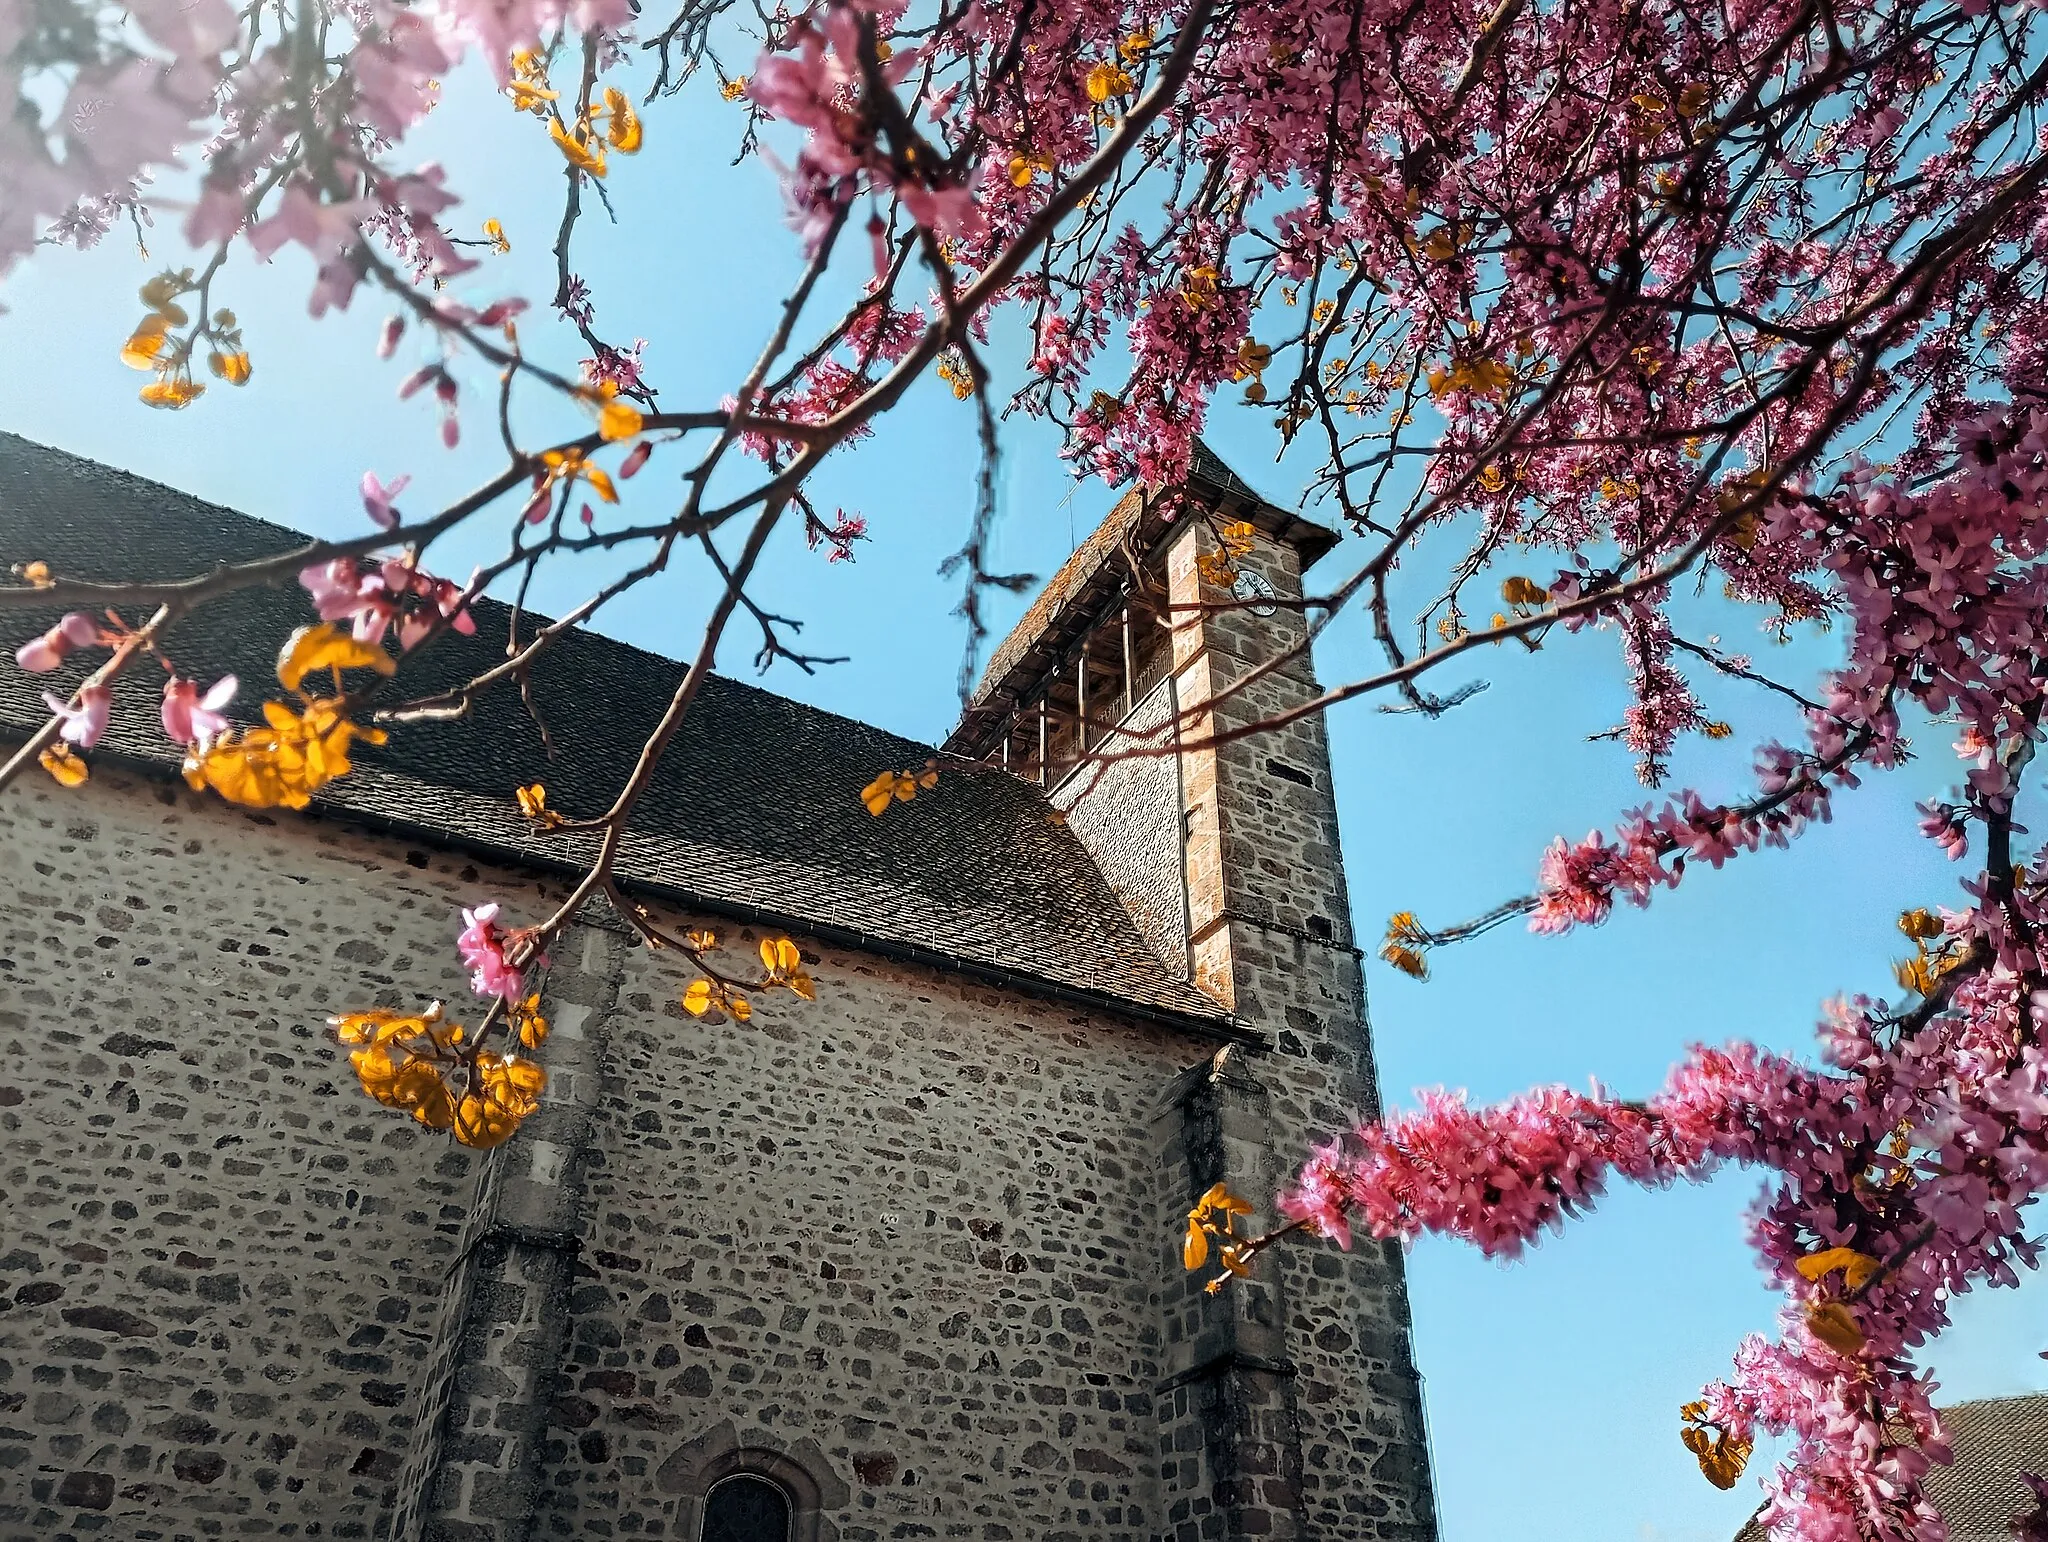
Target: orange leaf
[[1835, 1326], [323, 646], [578, 150], [624, 128], [617, 420], [67, 769]]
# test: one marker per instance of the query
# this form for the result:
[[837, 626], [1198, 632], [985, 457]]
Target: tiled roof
[[1994, 1440], [754, 811]]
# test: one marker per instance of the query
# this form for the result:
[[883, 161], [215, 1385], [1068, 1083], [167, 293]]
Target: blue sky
[[1553, 1383]]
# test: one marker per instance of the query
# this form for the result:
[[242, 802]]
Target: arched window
[[733, 1490], [746, 1508]]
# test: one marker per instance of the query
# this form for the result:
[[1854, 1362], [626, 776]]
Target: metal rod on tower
[[1041, 741], [1130, 672], [1009, 731], [1081, 699]]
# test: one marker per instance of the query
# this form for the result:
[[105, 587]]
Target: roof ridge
[[484, 600]]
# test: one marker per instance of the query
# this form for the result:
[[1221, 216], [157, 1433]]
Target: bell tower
[[1149, 691]]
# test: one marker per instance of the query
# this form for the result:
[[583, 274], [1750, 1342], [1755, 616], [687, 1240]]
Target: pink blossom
[[378, 498], [218, 215], [324, 229], [375, 597], [190, 718], [482, 946], [84, 723], [42, 654]]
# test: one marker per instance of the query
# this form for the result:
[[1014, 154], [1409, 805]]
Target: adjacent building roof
[[755, 810], [1994, 1440]]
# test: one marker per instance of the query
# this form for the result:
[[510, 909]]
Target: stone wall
[[908, 1239], [1127, 813], [221, 1263], [1271, 934]]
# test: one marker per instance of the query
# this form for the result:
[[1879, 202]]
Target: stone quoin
[[901, 1262]]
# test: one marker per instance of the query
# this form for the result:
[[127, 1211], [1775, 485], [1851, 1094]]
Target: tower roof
[[1091, 583], [754, 812]]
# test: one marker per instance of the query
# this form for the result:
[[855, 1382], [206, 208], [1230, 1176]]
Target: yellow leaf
[[282, 765], [147, 341], [879, 793], [325, 646], [741, 1008], [1237, 1261], [533, 801], [1857, 1268], [578, 150], [1722, 1463], [1022, 172], [1194, 1248], [515, 1085], [617, 420], [699, 997], [601, 482], [702, 942], [1106, 80], [734, 89], [1835, 1326], [779, 955], [801, 983], [1693, 98], [1914, 975], [1220, 1199], [928, 777], [160, 291], [65, 768], [171, 391], [1721, 1455], [1920, 924], [1523, 591], [1406, 959], [481, 1124], [495, 234], [624, 128]]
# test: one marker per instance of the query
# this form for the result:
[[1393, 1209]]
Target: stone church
[[903, 1262]]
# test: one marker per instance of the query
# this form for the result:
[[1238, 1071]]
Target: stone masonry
[[909, 1251]]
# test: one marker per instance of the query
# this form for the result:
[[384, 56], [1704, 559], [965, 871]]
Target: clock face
[[1257, 594]]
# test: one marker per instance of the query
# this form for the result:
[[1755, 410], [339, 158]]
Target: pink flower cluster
[[1943, 1215], [375, 597], [482, 946], [1926, 1139], [813, 78]]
